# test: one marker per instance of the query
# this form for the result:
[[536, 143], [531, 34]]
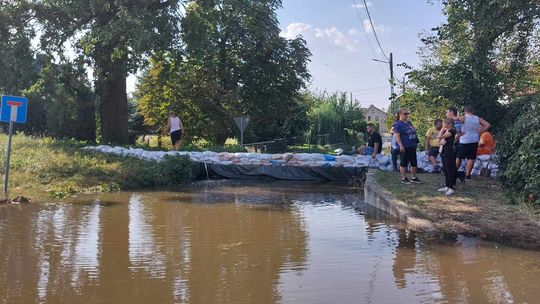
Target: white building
[[374, 114]]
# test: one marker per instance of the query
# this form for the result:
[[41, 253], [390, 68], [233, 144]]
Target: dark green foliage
[[62, 103], [234, 63], [175, 170], [16, 56], [481, 55], [518, 151], [62, 168], [332, 114], [424, 110], [114, 37]]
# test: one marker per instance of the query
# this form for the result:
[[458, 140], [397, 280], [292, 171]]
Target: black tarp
[[285, 172]]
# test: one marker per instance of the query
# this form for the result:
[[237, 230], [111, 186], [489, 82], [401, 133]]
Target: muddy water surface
[[244, 242]]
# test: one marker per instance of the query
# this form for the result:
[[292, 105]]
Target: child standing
[[448, 155]]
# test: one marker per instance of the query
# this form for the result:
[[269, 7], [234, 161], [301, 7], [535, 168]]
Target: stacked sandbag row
[[381, 162]]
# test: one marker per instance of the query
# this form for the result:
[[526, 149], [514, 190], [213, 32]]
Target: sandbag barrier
[[382, 162]]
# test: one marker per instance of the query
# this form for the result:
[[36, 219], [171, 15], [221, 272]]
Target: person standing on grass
[[472, 127], [175, 127], [407, 141], [394, 146], [431, 143], [447, 136]]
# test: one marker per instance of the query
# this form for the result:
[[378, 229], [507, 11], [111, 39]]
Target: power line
[[367, 37], [374, 31]]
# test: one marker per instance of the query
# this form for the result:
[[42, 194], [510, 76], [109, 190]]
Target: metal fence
[[295, 144]]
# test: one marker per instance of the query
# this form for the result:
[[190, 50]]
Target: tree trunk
[[114, 109]]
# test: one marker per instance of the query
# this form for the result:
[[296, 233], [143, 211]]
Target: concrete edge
[[378, 197]]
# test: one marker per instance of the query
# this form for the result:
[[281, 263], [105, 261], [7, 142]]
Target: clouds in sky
[[295, 29], [346, 40], [378, 27]]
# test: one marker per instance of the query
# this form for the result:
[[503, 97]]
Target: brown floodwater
[[245, 242]]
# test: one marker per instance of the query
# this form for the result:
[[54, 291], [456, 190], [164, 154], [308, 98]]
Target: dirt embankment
[[478, 208]]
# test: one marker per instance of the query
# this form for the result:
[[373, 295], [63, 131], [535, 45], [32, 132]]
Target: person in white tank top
[[175, 127], [472, 127]]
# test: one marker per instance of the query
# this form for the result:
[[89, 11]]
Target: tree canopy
[[234, 62], [482, 56], [114, 37]]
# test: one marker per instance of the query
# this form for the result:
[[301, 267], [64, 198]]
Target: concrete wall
[[375, 195]]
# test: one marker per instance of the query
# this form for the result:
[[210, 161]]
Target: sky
[[342, 56]]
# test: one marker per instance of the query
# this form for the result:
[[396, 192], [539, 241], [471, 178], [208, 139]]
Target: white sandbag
[[346, 158], [479, 165], [428, 168], [383, 159], [265, 156], [277, 156], [253, 156], [317, 157], [287, 156], [484, 158], [373, 163], [302, 157], [493, 166]]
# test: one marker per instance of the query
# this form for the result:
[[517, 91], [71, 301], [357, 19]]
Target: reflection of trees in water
[[405, 259], [38, 250], [466, 272], [177, 253], [236, 254]]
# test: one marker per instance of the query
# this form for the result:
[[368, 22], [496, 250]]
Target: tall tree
[[16, 56], [234, 63], [481, 55], [114, 37]]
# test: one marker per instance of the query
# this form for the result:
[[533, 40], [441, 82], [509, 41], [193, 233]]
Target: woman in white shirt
[[175, 127]]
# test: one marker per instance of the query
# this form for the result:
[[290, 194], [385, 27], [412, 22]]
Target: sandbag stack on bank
[[381, 162]]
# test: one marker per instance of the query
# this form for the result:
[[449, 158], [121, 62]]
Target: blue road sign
[[14, 109]]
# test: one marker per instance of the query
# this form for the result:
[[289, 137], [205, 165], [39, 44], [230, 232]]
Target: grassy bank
[[478, 208], [55, 168]]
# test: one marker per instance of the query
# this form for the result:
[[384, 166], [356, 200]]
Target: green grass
[[305, 148], [163, 143], [479, 207], [62, 168]]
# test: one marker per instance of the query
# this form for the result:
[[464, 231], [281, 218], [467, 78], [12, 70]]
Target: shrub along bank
[[62, 168], [519, 151]]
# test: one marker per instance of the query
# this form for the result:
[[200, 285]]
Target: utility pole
[[391, 62], [393, 106], [403, 85]]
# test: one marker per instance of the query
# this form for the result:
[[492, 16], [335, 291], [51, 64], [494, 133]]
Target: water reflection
[[231, 243]]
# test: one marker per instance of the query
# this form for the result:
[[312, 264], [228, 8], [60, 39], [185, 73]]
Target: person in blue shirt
[[407, 141]]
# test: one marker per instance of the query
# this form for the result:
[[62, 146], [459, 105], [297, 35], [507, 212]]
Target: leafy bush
[[201, 144], [519, 151], [175, 170]]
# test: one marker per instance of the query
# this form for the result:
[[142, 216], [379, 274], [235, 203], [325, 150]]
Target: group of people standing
[[456, 138]]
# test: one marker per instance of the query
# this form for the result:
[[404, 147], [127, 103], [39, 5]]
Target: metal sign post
[[6, 178], [241, 122], [13, 110]]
